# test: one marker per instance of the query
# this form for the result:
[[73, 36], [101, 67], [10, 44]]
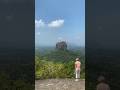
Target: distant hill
[[61, 55], [44, 49]]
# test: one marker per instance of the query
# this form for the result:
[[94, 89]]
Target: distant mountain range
[[51, 53], [44, 49]]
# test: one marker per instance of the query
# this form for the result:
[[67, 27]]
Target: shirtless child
[[77, 69]]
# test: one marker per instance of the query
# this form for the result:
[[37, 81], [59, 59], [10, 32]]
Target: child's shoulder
[[77, 62], [103, 85]]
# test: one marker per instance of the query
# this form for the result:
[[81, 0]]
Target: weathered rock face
[[61, 45], [59, 84]]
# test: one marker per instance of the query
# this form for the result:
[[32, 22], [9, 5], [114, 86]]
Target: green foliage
[[61, 56], [57, 64]]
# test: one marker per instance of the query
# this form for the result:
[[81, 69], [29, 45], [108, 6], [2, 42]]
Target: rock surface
[[59, 84], [61, 45]]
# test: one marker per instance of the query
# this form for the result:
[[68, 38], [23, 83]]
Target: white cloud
[[39, 23], [53, 24], [56, 24]]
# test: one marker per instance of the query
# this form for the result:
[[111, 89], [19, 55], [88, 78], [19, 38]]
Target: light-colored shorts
[[77, 74]]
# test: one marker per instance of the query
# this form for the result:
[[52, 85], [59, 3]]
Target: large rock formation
[[61, 45]]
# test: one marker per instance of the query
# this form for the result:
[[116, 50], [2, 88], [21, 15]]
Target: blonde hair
[[77, 59]]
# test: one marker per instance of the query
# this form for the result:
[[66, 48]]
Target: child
[[77, 69], [102, 85]]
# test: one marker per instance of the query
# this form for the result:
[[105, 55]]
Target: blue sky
[[57, 20]]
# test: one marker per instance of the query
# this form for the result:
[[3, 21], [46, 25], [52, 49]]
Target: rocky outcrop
[[61, 45], [59, 84]]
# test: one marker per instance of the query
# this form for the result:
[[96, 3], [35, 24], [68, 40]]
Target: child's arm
[[75, 65]]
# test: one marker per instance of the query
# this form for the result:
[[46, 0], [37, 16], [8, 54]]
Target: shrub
[[49, 69]]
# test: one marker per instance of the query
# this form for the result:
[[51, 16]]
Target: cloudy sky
[[57, 20]]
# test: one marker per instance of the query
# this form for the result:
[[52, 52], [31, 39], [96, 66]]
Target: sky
[[59, 20]]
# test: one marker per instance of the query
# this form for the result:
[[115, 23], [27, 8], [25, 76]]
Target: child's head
[[77, 59], [101, 78]]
